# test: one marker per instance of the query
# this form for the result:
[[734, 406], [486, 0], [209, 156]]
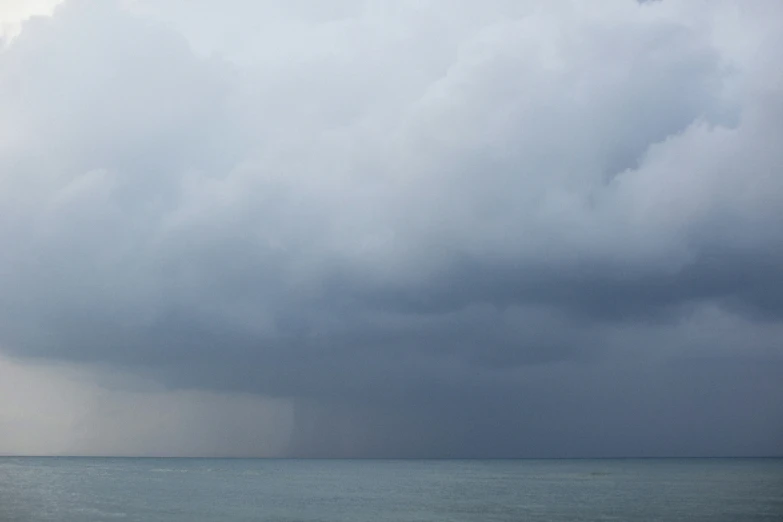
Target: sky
[[374, 228]]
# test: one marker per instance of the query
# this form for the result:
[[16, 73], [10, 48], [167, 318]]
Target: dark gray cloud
[[505, 230]]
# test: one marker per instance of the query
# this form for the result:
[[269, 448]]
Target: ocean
[[226, 490]]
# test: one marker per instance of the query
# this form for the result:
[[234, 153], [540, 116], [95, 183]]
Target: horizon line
[[203, 457]]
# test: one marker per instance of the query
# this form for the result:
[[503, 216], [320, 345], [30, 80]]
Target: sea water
[[196, 490]]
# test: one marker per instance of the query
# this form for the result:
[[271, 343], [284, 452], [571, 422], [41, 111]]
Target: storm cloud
[[495, 229]]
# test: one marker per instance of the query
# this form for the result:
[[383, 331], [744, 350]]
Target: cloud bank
[[508, 229]]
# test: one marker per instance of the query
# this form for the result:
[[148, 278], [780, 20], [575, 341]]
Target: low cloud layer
[[508, 229]]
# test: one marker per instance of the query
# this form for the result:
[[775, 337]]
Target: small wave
[[99, 512]]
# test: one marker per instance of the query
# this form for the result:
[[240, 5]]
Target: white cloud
[[13, 13]]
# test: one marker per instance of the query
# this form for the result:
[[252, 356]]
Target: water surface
[[196, 490]]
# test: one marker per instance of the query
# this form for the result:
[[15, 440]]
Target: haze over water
[[227, 490]]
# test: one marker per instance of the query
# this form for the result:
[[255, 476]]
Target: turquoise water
[[195, 490]]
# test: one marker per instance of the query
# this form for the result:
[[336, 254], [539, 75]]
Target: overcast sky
[[391, 227]]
